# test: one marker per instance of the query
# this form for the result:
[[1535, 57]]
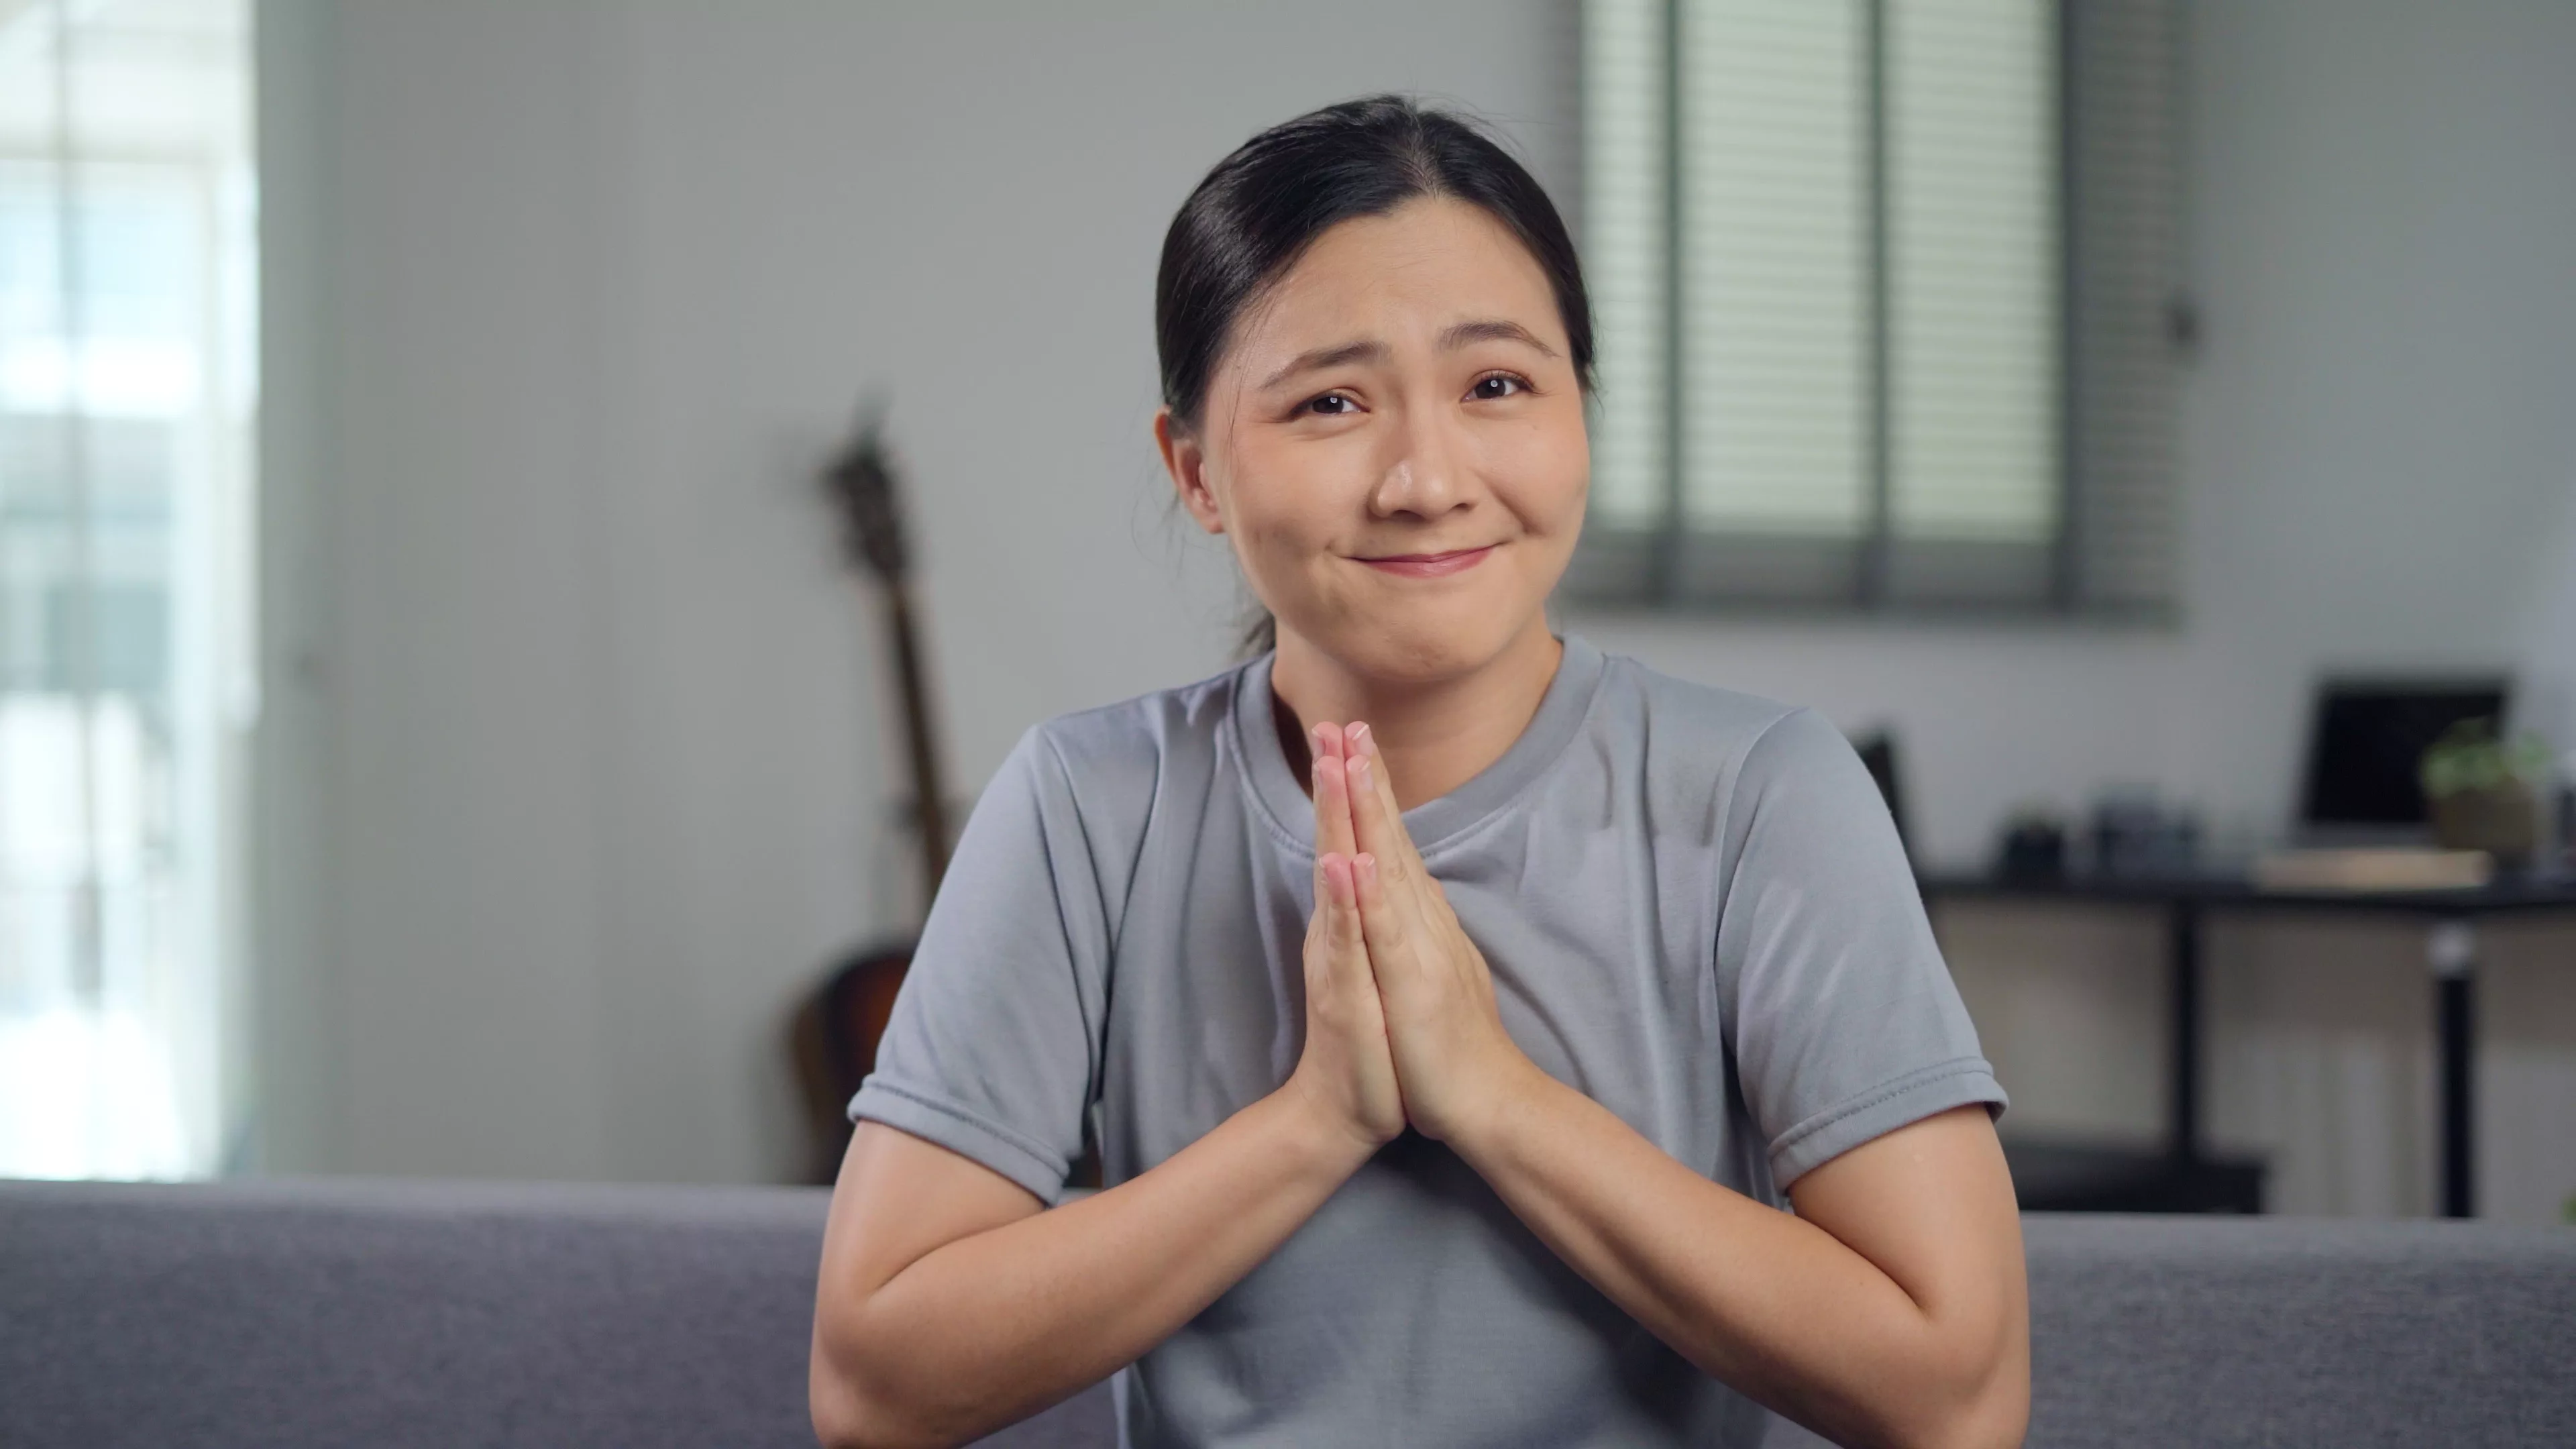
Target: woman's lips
[[1430, 565]]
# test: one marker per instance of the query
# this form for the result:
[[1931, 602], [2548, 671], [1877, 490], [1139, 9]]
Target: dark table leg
[[2182, 1120], [2453, 949]]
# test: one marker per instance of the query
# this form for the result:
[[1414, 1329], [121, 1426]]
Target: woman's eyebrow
[[1334, 356], [1494, 329]]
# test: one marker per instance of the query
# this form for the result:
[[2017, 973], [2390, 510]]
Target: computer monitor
[[2369, 739]]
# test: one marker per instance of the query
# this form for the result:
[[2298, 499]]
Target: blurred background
[[442, 731]]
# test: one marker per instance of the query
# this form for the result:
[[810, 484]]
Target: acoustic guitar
[[836, 1029]]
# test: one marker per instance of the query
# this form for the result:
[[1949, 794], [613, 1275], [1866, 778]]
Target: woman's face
[[1394, 442]]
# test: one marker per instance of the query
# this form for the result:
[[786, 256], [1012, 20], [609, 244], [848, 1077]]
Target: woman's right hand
[[1346, 1072]]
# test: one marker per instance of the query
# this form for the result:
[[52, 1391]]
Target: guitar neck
[[929, 792]]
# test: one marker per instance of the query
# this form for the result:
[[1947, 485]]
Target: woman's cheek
[[1283, 557], [1552, 505], [1544, 472]]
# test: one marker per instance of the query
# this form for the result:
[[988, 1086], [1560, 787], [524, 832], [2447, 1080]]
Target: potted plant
[[2479, 786]]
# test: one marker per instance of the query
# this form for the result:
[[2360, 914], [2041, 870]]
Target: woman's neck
[[1435, 735]]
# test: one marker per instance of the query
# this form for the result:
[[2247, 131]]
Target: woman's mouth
[[1430, 565]]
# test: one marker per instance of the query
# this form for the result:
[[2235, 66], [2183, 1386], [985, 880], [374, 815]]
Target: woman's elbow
[[1989, 1410], [841, 1419], [1969, 1389], [847, 1419], [848, 1415], [1996, 1420]]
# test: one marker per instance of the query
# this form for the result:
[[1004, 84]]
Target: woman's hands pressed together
[[1451, 1063], [1346, 1069]]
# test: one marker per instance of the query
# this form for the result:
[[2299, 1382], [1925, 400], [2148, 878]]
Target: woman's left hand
[[1454, 1062]]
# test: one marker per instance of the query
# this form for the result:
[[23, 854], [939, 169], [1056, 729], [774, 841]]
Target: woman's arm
[[1890, 1311], [950, 1304]]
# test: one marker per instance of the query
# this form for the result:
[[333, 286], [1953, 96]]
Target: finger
[[1319, 924], [1382, 925], [1411, 903], [1342, 923], [1323, 741], [1387, 929], [1346, 959], [1333, 827], [1375, 828], [1359, 742], [1326, 739]]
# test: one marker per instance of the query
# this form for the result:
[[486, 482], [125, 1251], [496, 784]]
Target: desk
[[2451, 948]]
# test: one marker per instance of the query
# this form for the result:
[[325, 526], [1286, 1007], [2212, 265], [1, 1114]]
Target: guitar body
[[834, 1038]]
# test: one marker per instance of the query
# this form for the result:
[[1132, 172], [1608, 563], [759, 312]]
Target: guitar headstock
[[861, 483]]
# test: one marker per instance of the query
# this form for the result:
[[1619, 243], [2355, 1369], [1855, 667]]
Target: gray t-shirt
[[1696, 911]]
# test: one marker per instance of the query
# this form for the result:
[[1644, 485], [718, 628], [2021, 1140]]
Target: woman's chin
[[1426, 646]]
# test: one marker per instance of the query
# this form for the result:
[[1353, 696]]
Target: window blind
[[2132, 325], [1854, 350], [1625, 255]]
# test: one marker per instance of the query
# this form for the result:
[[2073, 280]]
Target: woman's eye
[[1332, 405], [1500, 385]]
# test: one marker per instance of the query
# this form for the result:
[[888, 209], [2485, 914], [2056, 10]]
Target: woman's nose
[[1423, 479]]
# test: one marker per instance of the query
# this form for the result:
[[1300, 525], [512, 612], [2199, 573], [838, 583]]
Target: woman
[[1451, 1005]]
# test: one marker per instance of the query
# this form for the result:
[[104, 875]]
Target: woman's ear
[[1186, 461]]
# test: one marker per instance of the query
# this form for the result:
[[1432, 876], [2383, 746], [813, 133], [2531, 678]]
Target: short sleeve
[[993, 1045], [1843, 1019]]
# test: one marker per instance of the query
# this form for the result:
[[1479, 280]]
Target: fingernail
[[1359, 770], [1366, 867], [1358, 735]]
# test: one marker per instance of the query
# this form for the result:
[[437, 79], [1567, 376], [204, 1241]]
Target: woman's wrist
[[1516, 1096], [1314, 1133]]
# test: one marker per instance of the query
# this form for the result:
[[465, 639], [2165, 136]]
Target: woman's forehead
[[1424, 267]]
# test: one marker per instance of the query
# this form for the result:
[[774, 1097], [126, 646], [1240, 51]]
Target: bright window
[[127, 389]]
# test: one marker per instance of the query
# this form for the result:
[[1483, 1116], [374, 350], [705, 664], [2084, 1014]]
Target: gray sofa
[[299, 1314]]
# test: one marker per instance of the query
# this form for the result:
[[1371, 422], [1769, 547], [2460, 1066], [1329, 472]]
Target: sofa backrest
[[304, 1314], [294, 1314], [2224, 1331]]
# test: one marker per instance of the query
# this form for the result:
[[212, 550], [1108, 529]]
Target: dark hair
[[1258, 211]]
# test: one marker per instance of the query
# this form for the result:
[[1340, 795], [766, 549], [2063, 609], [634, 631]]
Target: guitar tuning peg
[[862, 481]]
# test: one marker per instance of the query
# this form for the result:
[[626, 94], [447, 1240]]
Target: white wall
[[578, 745], [2549, 641], [579, 751]]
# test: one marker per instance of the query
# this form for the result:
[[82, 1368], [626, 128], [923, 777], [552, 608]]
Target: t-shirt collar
[[1433, 822]]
